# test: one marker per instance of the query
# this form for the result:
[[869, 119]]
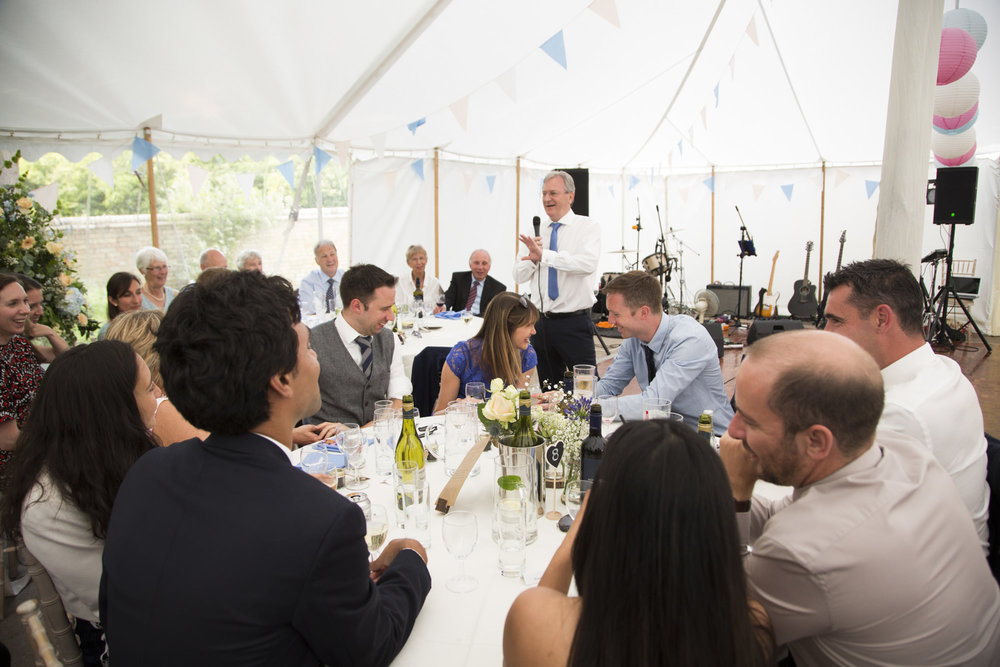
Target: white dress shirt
[[430, 285], [575, 261], [312, 291], [929, 399], [399, 384]]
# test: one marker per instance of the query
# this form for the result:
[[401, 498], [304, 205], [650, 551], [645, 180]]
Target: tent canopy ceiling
[[798, 81]]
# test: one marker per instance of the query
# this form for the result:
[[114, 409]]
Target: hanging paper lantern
[[957, 124], [955, 99], [957, 55], [952, 150], [969, 21]]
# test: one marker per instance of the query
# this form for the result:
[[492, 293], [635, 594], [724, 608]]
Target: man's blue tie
[[365, 343], [553, 277]]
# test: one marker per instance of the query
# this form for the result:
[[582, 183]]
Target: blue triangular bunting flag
[[556, 49], [871, 186], [142, 151], [787, 189], [680, 146], [418, 167], [716, 95], [321, 157], [490, 180], [412, 127], [287, 169], [710, 183], [611, 189], [632, 181]]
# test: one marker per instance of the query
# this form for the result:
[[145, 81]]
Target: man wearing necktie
[[473, 289], [671, 356], [560, 271], [319, 291]]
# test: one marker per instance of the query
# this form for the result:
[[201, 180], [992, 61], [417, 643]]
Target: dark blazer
[[222, 553], [461, 284]]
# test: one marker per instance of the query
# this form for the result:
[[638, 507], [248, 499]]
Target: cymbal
[[623, 251]]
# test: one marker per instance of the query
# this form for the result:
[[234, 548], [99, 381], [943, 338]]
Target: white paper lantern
[[956, 98], [950, 146]]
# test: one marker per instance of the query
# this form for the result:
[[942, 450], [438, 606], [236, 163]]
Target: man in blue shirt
[[671, 356], [319, 291]]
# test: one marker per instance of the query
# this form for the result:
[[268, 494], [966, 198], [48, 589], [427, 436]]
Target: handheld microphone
[[536, 222]]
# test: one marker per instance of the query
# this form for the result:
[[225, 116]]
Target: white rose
[[500, 409]]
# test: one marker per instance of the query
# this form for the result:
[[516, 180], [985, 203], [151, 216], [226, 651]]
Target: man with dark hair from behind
[[221, 552], [879, 305]]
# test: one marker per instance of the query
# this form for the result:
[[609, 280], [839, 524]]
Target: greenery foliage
[[30, 245]]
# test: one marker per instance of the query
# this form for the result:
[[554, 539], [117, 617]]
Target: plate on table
[[432, 326]]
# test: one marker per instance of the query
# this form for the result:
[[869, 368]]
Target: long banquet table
[[467, 629]]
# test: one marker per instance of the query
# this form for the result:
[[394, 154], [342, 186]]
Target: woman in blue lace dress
[[501, 349]]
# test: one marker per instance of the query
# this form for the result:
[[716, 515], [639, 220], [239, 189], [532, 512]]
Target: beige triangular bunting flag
[[684, 192], [245, 182], [752, 31], [468, 179], [732, 67], [343, 152], [460, 109], [508, 82], [390, 180], [704, 120], [758, 190], [607, 10], [839, 177], [197, 176]]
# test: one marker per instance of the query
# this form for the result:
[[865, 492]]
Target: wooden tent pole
[[151, 186], [711, 271], [517, 210], [822, 232], [437, 209]]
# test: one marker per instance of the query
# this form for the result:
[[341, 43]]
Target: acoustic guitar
[[803, 303], [821, 313], [767, 301]]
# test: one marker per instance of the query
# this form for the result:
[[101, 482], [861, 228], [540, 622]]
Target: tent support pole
[[151, 186], [822, 230], [517, 209], [437, 228], [711, 271]]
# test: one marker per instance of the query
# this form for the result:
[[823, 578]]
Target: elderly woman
[[250, 260], [20, 373], [416, 259], [124, 296], [152, 264]]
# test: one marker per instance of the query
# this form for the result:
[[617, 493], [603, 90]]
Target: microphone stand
[[638, 229], [747, 249], [661, 253]]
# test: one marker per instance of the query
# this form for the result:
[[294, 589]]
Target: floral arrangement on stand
[[30, 245]]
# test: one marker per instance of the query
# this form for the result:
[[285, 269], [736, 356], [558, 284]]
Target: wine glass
[[609, 410], [460, 532], [377, 527], [352, 444], [314, 460], [573, 498], [466, 316], [476, 391]]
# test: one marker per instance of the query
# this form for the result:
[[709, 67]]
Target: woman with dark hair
[[19, 369], [124, 295], [501, 349], [656, 557], [89, 423]]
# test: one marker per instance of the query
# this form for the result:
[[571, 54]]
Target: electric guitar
[[766, 301], [803, 303], [821, 313]]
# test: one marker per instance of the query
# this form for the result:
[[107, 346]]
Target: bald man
[[475, 288], [213, 259], [873, 558]]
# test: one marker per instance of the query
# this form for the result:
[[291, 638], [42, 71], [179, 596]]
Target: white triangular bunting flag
[[343, 152], [460, 109], [197, 176], [684, 192], [758, 190], [390, 180], [732, 67], [468, 179], [246, 183], [607, 10], [378, 141], [508, 83], [839, 176], [104, 170], [704, 120], [46, 196], [752, 31]]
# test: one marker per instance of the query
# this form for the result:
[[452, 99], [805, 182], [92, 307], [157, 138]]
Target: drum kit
[[659, 265]]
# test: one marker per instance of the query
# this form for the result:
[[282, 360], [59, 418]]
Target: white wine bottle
[[409, 447], [592, 447]]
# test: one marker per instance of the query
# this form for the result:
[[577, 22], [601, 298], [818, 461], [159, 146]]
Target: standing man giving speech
[[560, 270]]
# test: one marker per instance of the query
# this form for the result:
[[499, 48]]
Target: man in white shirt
[[358, 358], [872, 559], [319, 290], [560, 271], [879, 305]]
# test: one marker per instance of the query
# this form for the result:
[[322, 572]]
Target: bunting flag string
[[555, 48], [321, 157], [197, 176], [142, 151], [787, 189]]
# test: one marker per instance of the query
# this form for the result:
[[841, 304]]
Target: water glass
[[460, 434], [510, 526], [384, 430], [460, 533], [408, 479], [583, 380], [655, 408], [417, 510], [315, 460], [514, 475], [383, 403], [476, 391], [609, 410]]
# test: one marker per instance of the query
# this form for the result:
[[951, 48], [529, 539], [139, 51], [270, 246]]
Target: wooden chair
[[52, 609], [31, 617]]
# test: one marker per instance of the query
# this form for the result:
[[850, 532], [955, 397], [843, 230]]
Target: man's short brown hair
[[638, 288]]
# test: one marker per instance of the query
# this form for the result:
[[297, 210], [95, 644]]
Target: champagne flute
[[609, 410], [460, 533], [377, 527]]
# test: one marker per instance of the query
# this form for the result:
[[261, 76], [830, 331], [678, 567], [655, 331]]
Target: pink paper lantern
[[955, 99], [956, 161], [969, 21], [948, 148], [957, 55], [955, 122]]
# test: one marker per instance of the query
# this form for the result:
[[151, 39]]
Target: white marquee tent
[[778, 107]]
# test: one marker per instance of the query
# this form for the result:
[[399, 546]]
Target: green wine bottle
[[524, 433], [705, 425], [592, 447], [409, 447], [418, 295]]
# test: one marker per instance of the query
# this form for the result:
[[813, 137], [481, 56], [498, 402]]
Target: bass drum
[[657, 264], [607, 278]]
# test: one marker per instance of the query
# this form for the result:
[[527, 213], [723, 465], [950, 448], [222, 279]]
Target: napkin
[[448, 315]]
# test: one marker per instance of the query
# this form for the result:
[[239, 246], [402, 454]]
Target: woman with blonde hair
[[502, 349]]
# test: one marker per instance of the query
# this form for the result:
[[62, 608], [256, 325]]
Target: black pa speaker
[[761, 328], [955, 195], [581, 181]]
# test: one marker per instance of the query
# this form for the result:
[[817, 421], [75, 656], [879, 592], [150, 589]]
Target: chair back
[[426, 377], [963, 267], [62, 635]]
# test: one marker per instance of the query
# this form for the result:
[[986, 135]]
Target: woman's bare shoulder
[[540, 627]]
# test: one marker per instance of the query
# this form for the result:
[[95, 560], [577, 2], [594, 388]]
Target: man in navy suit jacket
[[221, 552], [488, 287]]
